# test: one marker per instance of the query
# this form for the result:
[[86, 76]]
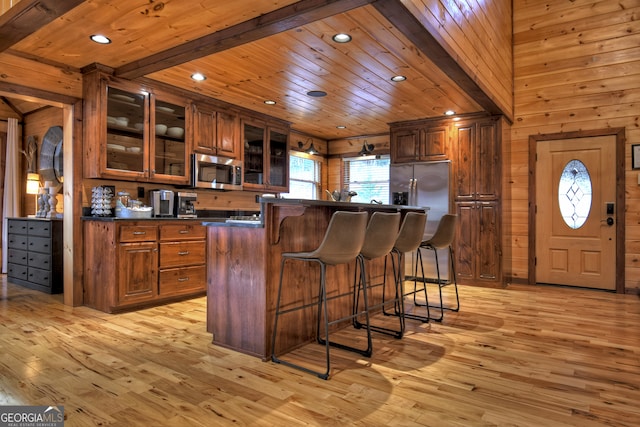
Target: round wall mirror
[[51, 156]]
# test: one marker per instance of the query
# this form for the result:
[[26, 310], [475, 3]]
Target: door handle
[[609, 221]]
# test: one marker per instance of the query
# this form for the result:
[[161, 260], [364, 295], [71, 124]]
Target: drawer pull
[[183, 253], [184, 231], [139, 233], [183, 279]]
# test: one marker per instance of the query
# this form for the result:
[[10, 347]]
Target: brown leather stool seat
[[379, 240], [441, 239], [341, 244]]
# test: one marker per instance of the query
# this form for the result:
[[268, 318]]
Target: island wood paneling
[[577, 67]]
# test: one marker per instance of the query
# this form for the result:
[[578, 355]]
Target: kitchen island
[[243, 271]]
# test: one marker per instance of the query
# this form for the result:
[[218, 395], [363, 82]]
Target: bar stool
[[379, 240], [408, 240], [341, 244], [441, 239]]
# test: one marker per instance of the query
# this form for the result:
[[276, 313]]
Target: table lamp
[[33, 186]]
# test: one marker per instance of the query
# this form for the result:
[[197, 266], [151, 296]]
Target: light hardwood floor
[[520, 356]]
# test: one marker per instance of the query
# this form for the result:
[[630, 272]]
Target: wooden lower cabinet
[[478, 256], [137, 272], [142, 263]]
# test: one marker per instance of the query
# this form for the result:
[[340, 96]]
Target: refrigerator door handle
[[413, 191]]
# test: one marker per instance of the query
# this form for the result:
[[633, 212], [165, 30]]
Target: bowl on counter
[[175, 132], [161, 129], [136, 212]]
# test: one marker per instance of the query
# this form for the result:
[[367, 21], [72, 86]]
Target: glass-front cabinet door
[[126, 131], [168, 148], [278, 159], [254, 155], [266, 157], [146, 135]]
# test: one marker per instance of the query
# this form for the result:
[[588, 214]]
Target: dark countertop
[[218, 222], [309, 202]]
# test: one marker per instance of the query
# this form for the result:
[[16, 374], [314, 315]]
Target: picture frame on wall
[[635, 156]]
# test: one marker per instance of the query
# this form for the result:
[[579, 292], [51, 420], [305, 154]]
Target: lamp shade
[[33, 183]]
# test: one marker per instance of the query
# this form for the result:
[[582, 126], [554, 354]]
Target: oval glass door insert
[[574, 194]]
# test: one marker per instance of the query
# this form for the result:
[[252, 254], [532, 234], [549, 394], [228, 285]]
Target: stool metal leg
[[322, 308], [398, 307]]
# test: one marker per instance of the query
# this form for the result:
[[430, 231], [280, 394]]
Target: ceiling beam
[[423, 36], [13, 107], [36, 95], [28, 16], [292, 16]]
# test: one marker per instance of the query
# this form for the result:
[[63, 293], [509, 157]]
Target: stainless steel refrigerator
[[428, 185]]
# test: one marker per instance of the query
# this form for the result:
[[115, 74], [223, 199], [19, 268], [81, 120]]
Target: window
[[369, 177], [304, 177], [574, 194]]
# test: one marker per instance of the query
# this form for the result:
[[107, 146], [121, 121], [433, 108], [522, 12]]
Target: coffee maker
[[162, 202], [184, 206]]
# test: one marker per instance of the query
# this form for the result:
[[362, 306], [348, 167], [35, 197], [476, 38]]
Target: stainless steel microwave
[[215, 172]]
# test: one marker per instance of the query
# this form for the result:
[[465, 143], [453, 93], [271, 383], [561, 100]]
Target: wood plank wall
[[577, 67], [6, 5], [37, 124], [479, 33]]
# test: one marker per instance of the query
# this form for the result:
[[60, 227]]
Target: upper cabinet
[[477, 159], [418, 142], [266, 156], [133, 132], [216, 132]]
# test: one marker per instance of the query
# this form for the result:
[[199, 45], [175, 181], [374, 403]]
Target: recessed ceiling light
[[270, 102], [198, 77], [398, 78], [317, 93], [341, 38], [449, 113], [99, 38]]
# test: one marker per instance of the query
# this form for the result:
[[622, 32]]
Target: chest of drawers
[[35, 253]]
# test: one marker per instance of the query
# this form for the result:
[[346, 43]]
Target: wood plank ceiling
[[255, 51]]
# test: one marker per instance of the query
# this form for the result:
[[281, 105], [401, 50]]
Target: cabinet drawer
[[39, 228], [17, 256], [17, 241], [41, 277], [138, 233], [39, 244], [17, 226], [176, 281], [182, 232], [178, 254], [17, 271], [42, 261]]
